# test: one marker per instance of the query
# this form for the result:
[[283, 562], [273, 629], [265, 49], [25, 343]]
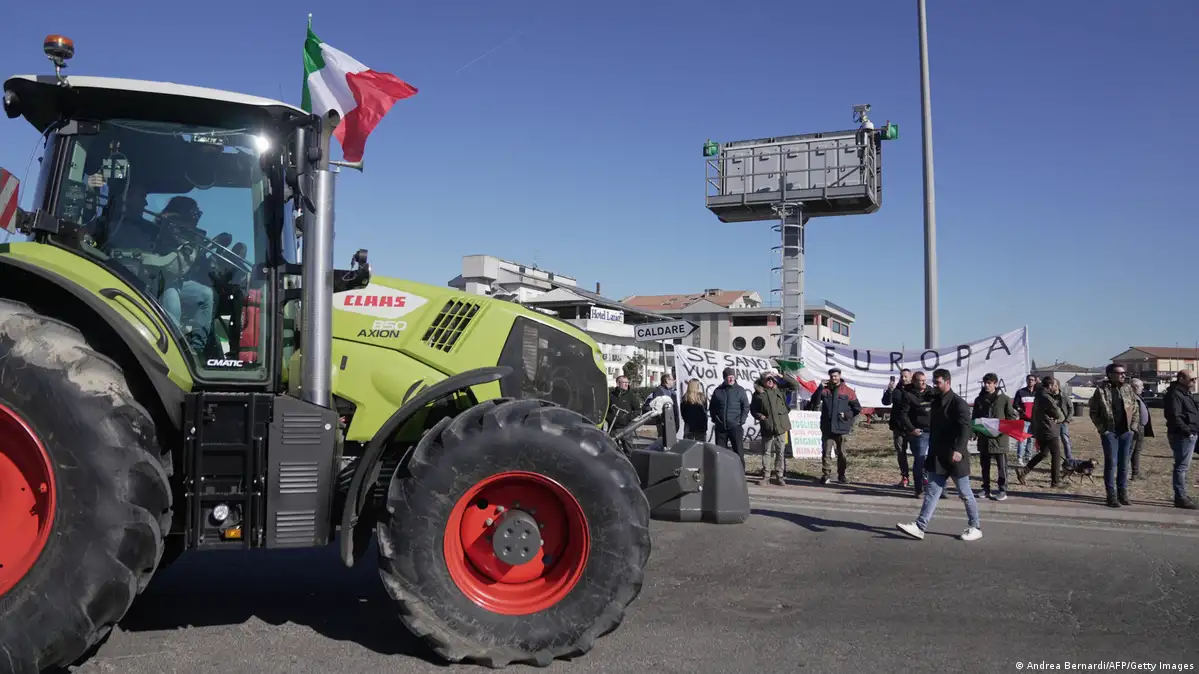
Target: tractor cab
[[180, 192]]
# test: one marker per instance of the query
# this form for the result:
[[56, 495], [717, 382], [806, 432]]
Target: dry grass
[[872, 463]]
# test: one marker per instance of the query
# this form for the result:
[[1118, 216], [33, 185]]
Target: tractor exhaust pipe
[[316, 358]]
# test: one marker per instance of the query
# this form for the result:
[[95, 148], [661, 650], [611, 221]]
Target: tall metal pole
[[931, 320]]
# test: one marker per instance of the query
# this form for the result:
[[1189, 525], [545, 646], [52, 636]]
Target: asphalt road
[[796, 588]]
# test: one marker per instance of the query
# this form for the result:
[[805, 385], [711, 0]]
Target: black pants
[[902, 442], [1138, 440], [1051, 447], [1000, 468], [733, 438]]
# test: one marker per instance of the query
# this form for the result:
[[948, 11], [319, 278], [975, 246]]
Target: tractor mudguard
[[43, 287], [373, 453]]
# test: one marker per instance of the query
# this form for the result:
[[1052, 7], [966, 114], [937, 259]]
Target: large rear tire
[[83, 490], [567, 504]]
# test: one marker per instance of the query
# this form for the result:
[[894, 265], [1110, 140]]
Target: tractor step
[[259, 471]]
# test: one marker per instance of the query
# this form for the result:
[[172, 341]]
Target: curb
[[1136, 514]]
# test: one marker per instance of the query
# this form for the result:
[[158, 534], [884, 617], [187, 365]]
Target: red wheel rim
[[26, 498], [553, 570]]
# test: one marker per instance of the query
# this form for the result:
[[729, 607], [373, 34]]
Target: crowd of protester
[[934, 424]]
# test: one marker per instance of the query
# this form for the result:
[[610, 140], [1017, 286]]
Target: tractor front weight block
[[693, 482]]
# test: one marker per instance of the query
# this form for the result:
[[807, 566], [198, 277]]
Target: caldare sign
[[667, 330], [868, 371]]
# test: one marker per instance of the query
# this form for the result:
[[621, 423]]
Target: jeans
[[919, 454], [1066, 444], [936, 484], [1184, 449], [902, 443], [1024, 448], [1117, 452], [194, 300]]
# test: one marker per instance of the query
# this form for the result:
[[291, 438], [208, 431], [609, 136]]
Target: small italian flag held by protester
[[997, 427], [334, 80], [795, 368]]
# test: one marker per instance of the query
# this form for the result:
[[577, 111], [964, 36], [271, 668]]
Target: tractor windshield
[[181, 213]]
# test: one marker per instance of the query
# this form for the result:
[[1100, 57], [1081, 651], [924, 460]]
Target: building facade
[[1157, 365], [609, 322], [736, 321]]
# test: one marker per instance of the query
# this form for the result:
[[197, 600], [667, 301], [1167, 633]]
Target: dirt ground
[[872, 464]]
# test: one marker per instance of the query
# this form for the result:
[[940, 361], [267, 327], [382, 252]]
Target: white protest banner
[[868, 371], [805, 435], [692, 362]]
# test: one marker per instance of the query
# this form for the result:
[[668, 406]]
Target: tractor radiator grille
[[449, 325]]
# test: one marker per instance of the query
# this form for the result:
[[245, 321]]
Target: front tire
[[81, 454], [520, 471]]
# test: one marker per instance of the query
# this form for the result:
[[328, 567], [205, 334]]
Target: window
[[739, 344], [180, 212], [759, 343]]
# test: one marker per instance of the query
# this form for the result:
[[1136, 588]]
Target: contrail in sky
[[489, 52]]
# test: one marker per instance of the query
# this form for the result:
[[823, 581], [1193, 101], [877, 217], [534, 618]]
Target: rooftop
[[1068, 367], [1170, 352], [675, 301], [567, 296]]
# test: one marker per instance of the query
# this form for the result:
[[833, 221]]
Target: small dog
[[1079, 468]]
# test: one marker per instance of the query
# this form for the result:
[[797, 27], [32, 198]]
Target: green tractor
[[175, 376]]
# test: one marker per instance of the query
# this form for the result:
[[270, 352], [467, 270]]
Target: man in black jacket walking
[[729, 408], [1182, 429], [948, 457], [899, 439]]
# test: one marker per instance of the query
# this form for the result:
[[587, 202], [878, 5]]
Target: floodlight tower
[[791, 179]]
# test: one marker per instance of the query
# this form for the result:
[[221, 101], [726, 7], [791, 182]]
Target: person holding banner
[[948, 458], [769, 407], [839, 406]]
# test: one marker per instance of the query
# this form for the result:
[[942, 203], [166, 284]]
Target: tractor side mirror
[[357, 276], [11, 215]]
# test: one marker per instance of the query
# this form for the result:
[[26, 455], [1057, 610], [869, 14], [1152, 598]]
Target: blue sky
[[569, 134]]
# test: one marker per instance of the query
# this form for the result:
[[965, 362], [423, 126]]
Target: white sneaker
[[971, 534], [912, 530]]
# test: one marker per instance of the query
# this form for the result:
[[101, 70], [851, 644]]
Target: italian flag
[[333, 80], [796, 369], [997, 427]]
